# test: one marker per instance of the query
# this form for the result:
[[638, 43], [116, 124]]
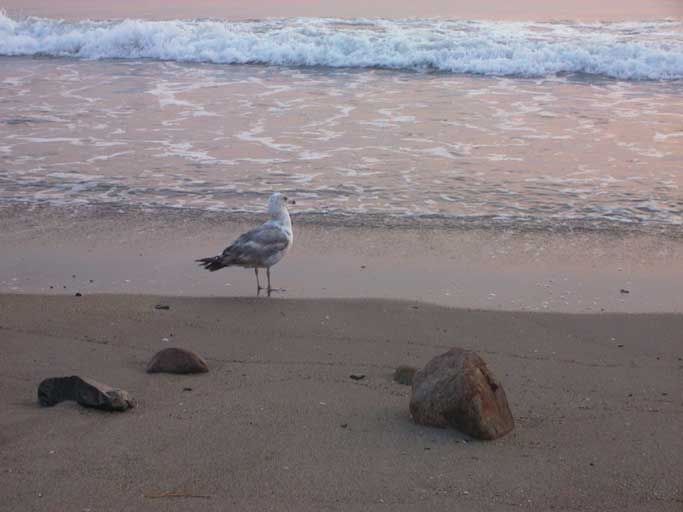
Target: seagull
[[262, 247]]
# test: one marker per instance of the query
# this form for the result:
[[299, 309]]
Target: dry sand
[[278, 424]]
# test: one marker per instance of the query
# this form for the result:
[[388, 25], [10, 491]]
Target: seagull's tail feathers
[[213, 263]]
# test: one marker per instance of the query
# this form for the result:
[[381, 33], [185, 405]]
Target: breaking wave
[[627, 51]]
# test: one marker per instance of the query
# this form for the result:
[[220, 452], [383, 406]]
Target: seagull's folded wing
[[255, 247]]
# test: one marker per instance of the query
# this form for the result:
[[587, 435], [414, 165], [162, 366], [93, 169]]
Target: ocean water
[[529, 123]]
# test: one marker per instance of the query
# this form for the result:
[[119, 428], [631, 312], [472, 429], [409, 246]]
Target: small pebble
[[623, 290], [187, 389], [344, 425], [404, 374], [162, 306], [79, 294], [358, 376]]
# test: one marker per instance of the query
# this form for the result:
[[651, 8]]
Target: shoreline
[[370, 220]]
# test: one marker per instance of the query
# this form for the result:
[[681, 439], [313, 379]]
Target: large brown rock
[[86, 392], [457, 389], [177, 360]]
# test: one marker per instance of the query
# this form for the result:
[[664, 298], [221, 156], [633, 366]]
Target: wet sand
[[278, 424], [49, 250]]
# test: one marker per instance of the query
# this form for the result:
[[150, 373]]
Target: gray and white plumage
[[262, 247]]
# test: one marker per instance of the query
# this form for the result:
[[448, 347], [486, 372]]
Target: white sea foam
[[629, 51]]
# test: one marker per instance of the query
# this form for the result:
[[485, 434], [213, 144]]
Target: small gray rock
[[404, 374], [177, 360], [457, 389], [86, 392]]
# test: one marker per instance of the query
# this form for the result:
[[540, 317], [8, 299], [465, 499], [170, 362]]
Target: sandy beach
[[278, 424]]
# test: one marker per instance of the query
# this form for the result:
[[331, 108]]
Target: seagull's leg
[[258, 284], [270, 289]]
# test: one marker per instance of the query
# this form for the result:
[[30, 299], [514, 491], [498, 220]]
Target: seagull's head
[[278, 202]]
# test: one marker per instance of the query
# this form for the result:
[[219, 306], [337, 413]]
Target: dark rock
[[86, 392], [187, 389], [623, 290], [344, 425], [457, 389], [162, 306], [357, 376], [78, 294], [177, 360], [404, 374]]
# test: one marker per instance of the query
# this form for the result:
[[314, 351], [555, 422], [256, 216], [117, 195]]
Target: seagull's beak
[[291, 201]]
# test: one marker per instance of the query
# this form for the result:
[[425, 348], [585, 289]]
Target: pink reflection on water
[[238, 9]]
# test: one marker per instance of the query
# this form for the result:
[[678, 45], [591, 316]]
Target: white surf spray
[[627, 51]]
